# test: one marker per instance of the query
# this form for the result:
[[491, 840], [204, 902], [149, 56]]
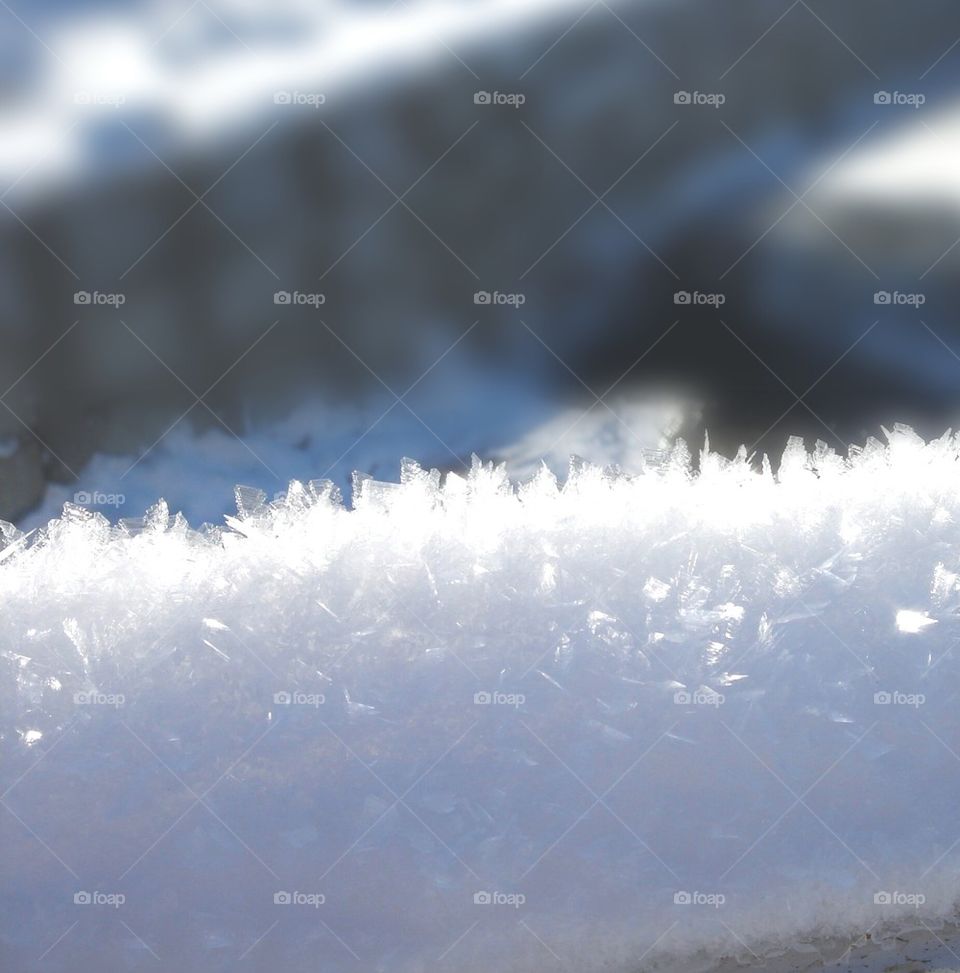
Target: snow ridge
[[625, 720]]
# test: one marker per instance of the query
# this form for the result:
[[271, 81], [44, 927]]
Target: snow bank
[[469, 411], [626, 722]]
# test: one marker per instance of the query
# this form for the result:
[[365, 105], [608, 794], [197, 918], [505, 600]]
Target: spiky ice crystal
[[623, 721]]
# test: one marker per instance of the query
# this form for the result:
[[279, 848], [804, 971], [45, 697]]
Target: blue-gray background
[[218, 215]]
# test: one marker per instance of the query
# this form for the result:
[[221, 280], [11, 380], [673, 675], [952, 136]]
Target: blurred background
[[244, 241]]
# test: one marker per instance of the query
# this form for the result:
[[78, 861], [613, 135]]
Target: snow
[[517, 422], [619, 722], [912, 622]]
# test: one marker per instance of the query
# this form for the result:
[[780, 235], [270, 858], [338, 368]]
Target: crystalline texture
[[674, 715]]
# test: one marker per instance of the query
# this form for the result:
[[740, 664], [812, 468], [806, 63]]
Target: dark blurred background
[[251, 241]]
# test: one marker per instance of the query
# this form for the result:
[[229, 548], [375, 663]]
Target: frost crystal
[[648, 715]]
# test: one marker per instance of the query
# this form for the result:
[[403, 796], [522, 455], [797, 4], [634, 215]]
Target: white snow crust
[[655, 719]]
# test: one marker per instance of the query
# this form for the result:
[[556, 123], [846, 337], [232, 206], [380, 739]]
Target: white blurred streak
[[179, 74], [914, 164], [29, 143]]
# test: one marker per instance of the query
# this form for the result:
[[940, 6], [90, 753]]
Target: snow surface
[[472, 410], [729, 687]]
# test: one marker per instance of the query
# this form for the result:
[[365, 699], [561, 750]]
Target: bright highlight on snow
[[472, 725], [913, 622]]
